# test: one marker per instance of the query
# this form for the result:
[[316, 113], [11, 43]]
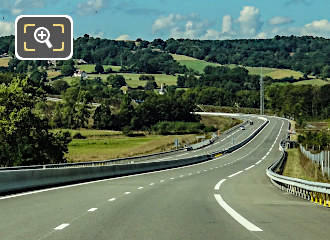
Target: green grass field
[[199, 65], [193, 63], [102, 147], [4, 61], [316, 82], [90, 68], [133, 81]]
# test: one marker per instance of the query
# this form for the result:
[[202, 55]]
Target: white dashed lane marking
[[62, 226], [92, 210], [112, 199], [248, 168], [126, 193], [235, 174]]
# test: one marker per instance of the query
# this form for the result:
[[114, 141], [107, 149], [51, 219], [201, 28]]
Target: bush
[[147, 78], [78, 136]]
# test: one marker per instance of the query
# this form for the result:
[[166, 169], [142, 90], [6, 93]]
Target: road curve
[[226, 198]]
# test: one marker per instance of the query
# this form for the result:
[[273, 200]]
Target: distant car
[[242, 127], [251, 122], [189, 148]]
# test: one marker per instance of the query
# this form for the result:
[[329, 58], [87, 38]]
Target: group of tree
[[230, 79], [317, 140], [302, 102], [24, 134]]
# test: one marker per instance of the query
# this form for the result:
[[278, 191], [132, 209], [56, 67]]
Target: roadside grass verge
[[298, 166], [221, 123]]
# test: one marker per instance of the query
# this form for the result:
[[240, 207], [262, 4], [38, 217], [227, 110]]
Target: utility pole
[[262, 96]]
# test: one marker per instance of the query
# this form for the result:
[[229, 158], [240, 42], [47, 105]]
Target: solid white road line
[[241, 220], [217, 186], [62, 226], [235, 174], [112, 199], [92, 210], [249, 167]]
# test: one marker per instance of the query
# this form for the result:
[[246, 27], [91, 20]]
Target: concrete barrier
[[22, 180]]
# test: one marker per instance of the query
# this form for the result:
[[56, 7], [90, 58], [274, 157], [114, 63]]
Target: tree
[[326, 72], [99, 68], [150, 85], [24, 136], [181, 81], [117, 81], [67, 70], [102, 117], [60, 85]]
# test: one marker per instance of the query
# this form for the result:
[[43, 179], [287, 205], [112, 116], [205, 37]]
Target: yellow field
[[4, 62]]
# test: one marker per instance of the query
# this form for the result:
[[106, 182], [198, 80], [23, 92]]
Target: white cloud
[[250, 22], [180, 26], [16, 11], [248, 25], [168, 22], [90, 7], [123, 37], [6, 28], [262, 35], [227, 23], [317, 28], [16, 7], [278, 20]]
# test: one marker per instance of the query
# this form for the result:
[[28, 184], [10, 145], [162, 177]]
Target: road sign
[[43, 37]]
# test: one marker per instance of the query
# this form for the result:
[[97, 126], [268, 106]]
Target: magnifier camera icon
[[42, 35]]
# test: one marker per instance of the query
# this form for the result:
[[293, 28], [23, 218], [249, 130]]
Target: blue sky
[[194, 19]]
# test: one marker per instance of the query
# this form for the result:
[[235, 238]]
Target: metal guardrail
[[313, 191], [92, 164]]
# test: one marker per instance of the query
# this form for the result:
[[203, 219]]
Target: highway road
[[226, 198]]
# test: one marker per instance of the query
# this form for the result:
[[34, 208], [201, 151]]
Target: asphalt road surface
[[226, 198]]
